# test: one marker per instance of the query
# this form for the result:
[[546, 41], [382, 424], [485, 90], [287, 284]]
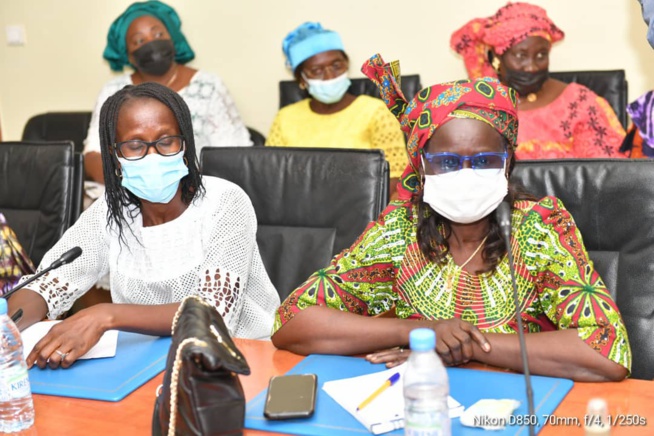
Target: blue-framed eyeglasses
[[486, 163]]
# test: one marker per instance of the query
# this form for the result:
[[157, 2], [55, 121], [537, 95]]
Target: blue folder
[[138, 358], [466, 386]]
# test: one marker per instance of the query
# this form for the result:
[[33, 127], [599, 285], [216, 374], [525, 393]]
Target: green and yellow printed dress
[[558, 286]]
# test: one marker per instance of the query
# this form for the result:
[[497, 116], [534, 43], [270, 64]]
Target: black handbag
[[201, 393]]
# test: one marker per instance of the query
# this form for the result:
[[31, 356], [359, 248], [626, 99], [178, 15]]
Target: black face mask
[[155, 57], [523, 82]]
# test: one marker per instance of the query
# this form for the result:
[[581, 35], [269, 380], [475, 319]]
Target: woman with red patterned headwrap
[[436, 258], [557, 120]]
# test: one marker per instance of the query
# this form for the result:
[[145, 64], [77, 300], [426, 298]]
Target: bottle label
[[14, 383], [416, 431], [424, 424]]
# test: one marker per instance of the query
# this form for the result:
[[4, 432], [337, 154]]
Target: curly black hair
[[433, 243], [118, 198]]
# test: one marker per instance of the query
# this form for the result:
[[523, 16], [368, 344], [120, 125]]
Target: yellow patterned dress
[[366, 123], [558, 286]]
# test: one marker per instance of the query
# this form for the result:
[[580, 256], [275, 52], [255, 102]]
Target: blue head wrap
[[116, 50], [306, 40]]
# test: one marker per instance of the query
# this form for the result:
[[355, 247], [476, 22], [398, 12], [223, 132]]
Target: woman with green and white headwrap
[[148, 38]]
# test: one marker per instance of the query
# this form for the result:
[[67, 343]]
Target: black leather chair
[[310, 203], [63, 126], [59, 126], [78, 188], [290, 92], [257, 137], [610, 84], [36, 192], [612, 202]]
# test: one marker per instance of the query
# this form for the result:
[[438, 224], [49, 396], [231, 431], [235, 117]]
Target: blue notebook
[[466, 386], [138, 358]]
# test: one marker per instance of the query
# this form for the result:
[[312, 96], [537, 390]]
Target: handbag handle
[[174, 378]]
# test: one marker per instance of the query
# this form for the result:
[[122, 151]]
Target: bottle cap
[[422, 339], [597, 406], [3, 306]]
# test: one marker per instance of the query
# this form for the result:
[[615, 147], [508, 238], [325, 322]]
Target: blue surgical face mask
[[154, 178], [328, 91]]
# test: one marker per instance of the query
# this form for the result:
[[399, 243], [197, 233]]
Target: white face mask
[[467, 195], [328, 91]]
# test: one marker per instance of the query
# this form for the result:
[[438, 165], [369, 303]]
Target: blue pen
[[387, 384]]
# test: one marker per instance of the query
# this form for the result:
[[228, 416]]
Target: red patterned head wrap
[[483, 99], [510, 25]]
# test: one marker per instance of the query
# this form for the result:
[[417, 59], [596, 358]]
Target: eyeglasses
[[135, 150], [443, 163], [337, 68]]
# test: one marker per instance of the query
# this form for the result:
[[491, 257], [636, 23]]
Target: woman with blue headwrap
[[148, 38], [332, 117]]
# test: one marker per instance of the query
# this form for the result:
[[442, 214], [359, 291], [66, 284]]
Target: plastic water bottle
[[426, 388], [16, 406]]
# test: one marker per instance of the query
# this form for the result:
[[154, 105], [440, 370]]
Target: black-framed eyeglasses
[[135, 149], [486, 163]]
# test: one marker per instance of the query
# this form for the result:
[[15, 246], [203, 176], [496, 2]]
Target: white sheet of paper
[[497, 413], [106, 346], [386, 412]]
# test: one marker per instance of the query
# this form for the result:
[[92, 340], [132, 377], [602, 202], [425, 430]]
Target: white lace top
[[209, 250], [216, 121]]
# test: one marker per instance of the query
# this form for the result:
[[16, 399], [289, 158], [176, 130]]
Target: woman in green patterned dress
[[436, 257]]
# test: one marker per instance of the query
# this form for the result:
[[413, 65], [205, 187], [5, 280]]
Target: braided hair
[[433, 242], [118, 198]]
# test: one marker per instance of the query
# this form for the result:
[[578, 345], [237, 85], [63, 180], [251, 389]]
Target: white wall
[[61, 67]]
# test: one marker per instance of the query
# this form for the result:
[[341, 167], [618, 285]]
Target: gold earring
[[496, 63], [118, 173], [185, 161], [303, 86]]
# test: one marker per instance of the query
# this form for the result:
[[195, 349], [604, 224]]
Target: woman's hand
[[454, 344], [71, 338], [391, 357], [454, 340]]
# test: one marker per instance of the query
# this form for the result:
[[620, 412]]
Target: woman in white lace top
[[162, 231], [148, 37]]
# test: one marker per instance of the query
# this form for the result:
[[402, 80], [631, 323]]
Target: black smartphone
[[291, 396]]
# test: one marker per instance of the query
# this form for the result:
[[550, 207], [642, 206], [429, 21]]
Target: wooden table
[[133, 415]]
